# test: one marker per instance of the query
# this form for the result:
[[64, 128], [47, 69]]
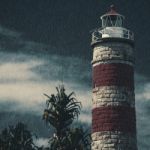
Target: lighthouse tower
[[113, 111]]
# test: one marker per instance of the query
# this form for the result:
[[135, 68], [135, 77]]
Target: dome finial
[[112, 7]]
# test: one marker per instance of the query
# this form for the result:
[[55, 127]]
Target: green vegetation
[[61, 111], [16, 138]]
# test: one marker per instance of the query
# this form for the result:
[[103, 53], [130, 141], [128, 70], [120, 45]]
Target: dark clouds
[[65, 25], [27, 73]]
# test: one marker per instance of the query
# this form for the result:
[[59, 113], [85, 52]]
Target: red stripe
[[113, 74], [110, 118]]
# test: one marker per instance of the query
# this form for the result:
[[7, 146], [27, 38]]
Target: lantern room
[[112, 27], [112, 18]]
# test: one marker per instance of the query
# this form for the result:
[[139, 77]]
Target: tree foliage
[[16, 138], [61, 110]]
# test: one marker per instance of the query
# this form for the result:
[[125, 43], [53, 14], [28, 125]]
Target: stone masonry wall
[[113, 111], [113, 51], [114, 140], [112, 96], [113, 74]]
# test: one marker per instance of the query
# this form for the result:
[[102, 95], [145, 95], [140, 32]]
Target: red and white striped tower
[[113, 112]]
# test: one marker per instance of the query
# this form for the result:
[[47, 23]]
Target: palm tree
[[61, 110], [16, 138]]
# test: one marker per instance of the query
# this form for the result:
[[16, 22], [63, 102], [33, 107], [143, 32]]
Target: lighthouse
[[113, 102]]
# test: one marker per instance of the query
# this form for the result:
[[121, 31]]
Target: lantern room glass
[[112, 21]]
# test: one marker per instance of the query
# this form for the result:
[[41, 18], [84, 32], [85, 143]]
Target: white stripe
[[113, 53], [113, 96], [113, 140]]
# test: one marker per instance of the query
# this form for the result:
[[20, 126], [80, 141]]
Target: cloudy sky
[[43, 42]]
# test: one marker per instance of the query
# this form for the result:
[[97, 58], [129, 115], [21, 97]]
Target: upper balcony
[[111, 32]]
